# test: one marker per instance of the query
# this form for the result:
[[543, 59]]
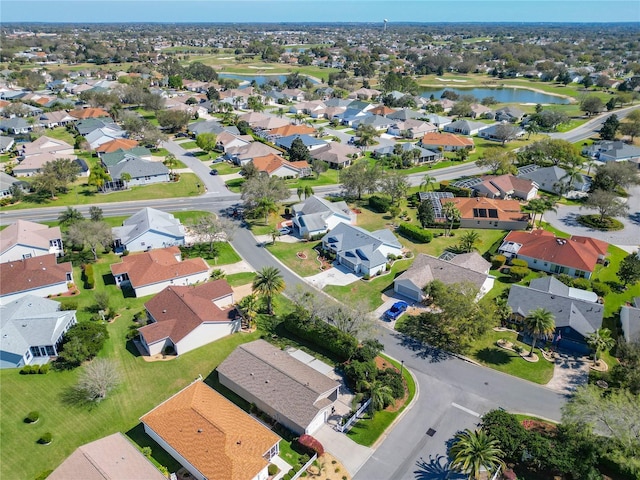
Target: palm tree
[[531, 128], [69, 216], [265, 207], [170, 161], [468, 241], [381, 395], [572, 176], [536, 206], [249, 307], [599, 341], [474, 450], [299, 117], [267, 283], [548, 206], [451, 213], [427, 182], [367, 135], [126, 178], [539, 322]]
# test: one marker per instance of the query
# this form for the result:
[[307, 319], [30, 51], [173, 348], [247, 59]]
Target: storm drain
[[431, 432]]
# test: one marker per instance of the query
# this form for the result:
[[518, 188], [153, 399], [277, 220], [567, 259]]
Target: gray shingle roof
[[584, 317], [148, 219], [284, 383], [359, 246], [137, 168], [425, 269], [630, 319], [548, 177], [113, 158]]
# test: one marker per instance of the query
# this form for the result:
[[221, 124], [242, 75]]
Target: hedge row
[[88, 276], [35, 369], [379, 204], [457, 191], [324, 335], [414, 232]]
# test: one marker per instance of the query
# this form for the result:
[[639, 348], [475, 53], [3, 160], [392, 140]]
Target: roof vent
[[199, 430], [266, 381], [239, 442]]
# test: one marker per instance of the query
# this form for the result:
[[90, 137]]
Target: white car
[[285, 230]]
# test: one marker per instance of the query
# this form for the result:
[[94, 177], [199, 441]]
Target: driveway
[[336, 275], [566, 220], [350, 454], [569, 372]]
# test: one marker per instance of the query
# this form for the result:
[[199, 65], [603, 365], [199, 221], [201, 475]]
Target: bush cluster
[[518, 273], [88, 276], [311, 444], [322, 334], [33, 417], [497, 261], [416, 233], [457, 191], [379, 204], [35, 369], [518, 262]]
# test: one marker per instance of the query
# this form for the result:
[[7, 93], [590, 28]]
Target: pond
[[502, 95], [260, 79]]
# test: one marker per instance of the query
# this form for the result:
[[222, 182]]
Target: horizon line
[[372, 22]]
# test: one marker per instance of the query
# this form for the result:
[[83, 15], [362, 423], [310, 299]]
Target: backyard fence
[[344, 428]]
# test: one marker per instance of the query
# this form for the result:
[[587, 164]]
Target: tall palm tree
[[473, 450], [265, 207], [267, 283], [381, 395], [548, 205], [600, 341], [539, 322], [69, 216], [536, 206], [427, 182], [249, 306], [451, 213]]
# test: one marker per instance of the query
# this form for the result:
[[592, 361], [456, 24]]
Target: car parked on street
[[396, 310], [213, 171]]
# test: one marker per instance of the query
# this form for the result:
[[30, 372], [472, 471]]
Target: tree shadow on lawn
[[422, 350], [494, 356], [108, 279], [436, 468]]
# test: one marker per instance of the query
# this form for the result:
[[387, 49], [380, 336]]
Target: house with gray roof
[[361, 251], [32, 330], [15, 126], [438, 120], [423, 155], [548, 179], [146, 229], [7, 182], [6, 143], [497, 132], [378, 122], [509, 114], [575, 319], [310, 142], [404, 114], [449, 269], [290, 391], [210, 126], [337, 155], [465, 127], [552, 285], [243, 154], [316, 215], [88, 125], [612, 151], [411, 128], [103, 135], [630, 320], [110, 159], [141, 171]]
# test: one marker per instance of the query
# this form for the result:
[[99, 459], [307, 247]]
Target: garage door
[[407, 292]]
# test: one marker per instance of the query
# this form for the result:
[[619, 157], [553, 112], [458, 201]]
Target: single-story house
[[254, 117], [269, 123], [466, 267], [361, 251], [244, 154], [404, 114], [380, 123], [465, 127], [498, 131], [226, 140], [293, 94], [509, 114], [186, 318], [150, 272], [146, 229], [423, 156], [612, 151], [56, 119], [7, 182], [351, 115], [505, 186], [542, 250], [365, 93], [480, 111], [275, 166], [32, 164], [447, 142], [15, 126], [490, 213], [575, 319], [32, 329], [310, 142], [116, 144], [85, 127], [630, 320], [103, 135], [287, 131], [142, 172], [285, 388], [46, 144], [113, 158], [89, 112], [551, 284], [25, 239], [41, 276], [210, 436], [548, 178], [411, 128], [437, 120], [6, 143], [337, 155], [110, 458], [316, 215]]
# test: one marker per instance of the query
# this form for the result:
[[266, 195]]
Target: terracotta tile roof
[[506, 210], [25, 232], [215, 436], [178, 310], [30, 273], [446, 139], [382, 110], [270, 163], [117, 144], [157, 266], [576, 252], [288, 130], [88, 113], [109, 458]]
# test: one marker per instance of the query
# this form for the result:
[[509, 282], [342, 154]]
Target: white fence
[[304, 469], [344, 428]]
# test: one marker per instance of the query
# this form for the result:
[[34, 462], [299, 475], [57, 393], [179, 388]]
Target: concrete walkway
[[282, 465]]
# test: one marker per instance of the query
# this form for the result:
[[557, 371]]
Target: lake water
[[502, 95], [260, 79]]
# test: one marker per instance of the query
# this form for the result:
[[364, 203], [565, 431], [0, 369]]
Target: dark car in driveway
[[213, 171], [396, 310]]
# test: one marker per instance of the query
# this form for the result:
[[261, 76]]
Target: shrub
[[518, 273], [379, 204], [272, 469], [33, 417], [45, 438], [146, 451], [44, 369], [366, 276], [414, 232], [125, 252], [392, 379], [69, 305], [498, 261], [457, 191], [566, 279], [583, 283], [322, 334], [518, 262], [26, 370], [601, 289], [88, 276], [311, 444]]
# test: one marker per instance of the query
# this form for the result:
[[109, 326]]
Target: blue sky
[[78, 11]]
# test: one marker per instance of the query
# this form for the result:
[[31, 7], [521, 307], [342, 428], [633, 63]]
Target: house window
[[580, 274], [535, 261], [69, 278]]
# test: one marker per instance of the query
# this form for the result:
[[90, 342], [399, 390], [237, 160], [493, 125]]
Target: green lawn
[[330, 177], [234, 185], [83, 194], [287, 253], [189, 145], [614, 300], [225, 168], [144, 386], [486, 352], [367, 430], [238, 279], [223, 253], [61, 133]]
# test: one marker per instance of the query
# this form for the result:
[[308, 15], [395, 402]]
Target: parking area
[[336, 275]]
